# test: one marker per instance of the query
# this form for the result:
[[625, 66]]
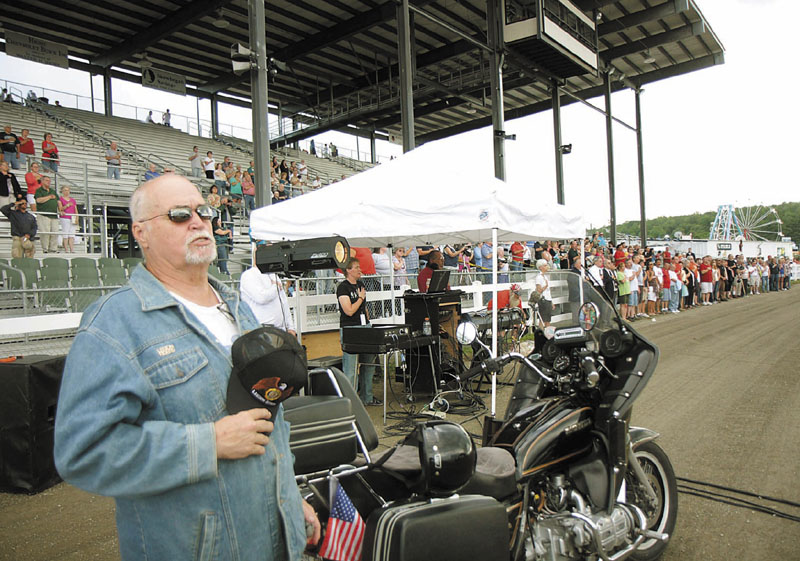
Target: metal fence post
[[104, 230], [89, 212]]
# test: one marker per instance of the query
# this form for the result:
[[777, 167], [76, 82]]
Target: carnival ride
[[755, 222]]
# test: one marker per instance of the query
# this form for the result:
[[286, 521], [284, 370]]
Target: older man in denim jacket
[[141, 415]]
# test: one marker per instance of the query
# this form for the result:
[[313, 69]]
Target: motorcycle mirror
[[466, 332], [589, 315]]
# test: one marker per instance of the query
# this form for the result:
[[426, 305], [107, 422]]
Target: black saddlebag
[[454, 529], [322, 432]]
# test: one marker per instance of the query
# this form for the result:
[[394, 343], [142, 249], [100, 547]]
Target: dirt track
[[725, 398]]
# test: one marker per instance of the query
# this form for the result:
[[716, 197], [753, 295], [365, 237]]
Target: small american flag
[[345, 532]]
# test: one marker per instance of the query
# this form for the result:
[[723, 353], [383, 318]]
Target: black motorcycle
[[562, 477]]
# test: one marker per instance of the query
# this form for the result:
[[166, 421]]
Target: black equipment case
[[323, 433], [453, 529]]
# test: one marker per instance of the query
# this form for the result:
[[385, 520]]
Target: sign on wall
[[35, 49], [167, 81]]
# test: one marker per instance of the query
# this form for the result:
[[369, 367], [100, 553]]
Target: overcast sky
[[726, 134]]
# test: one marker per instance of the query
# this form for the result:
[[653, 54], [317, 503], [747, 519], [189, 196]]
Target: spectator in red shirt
[[33, 179], [665, 286], [507, 298], [517, 254], [620, 255], [435, 261], [49, 153], [26, 147], [666, 255], [706, 280]]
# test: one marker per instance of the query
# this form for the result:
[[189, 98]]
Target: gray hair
[[541, 263], [138, 203]]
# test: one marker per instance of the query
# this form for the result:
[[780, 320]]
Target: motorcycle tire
[[662, 516]]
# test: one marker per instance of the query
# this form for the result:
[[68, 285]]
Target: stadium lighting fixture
[[648, 57], [220, 22]]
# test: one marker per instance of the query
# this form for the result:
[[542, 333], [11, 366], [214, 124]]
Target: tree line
[[699, 224]]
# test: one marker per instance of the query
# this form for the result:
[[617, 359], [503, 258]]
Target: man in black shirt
[[352, 298], [23, 228], [573, 254]]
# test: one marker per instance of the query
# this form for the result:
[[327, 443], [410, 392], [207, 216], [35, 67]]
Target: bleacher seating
[[82, 137]]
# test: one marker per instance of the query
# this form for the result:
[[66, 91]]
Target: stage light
[[294, 257]]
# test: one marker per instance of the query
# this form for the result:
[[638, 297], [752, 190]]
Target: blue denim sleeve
[[107, 441]]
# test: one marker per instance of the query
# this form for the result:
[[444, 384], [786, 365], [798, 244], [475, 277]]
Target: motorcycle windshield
[[568, 292]]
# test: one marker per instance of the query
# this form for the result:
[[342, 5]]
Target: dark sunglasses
[[181, 214]]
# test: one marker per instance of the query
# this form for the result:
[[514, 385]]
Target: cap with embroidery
[[269, 365]]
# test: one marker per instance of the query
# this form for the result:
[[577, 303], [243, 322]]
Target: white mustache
[[199, 236]]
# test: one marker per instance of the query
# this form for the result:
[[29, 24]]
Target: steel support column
[[258, 94], [494, 22], [557, 141], [373, 149], [406, 75], [107, 94], [214, 116], [640, 161], [610, 156]]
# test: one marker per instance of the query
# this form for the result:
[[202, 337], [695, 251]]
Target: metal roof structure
[[341, 56]]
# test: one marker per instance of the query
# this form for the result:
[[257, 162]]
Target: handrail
[[116, 138], [151, 157], [24, 284]]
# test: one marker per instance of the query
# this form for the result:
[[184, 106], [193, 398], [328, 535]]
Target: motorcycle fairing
[[562, 435]]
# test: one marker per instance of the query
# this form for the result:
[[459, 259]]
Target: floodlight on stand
[[294, 257], [220, 22], [648, 57]]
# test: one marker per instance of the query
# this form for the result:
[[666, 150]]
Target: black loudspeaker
[[421, 377], [28, 396]]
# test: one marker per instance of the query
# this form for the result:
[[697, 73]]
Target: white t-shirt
[[633, 275], [542, 280], [216, 321], [209, 164]]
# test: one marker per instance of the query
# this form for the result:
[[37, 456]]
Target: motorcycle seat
[[495, 470]]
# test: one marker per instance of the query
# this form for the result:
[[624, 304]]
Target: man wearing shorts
[[706, 280]]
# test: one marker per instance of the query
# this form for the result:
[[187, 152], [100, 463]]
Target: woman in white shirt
[[383, 268], [545, 303]]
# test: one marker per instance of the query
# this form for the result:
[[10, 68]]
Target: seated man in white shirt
[[266, 296]]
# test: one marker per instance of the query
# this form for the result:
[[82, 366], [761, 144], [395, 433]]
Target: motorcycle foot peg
[[651, 535]]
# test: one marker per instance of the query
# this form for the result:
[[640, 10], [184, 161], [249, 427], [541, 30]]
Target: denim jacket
[[143, 384]]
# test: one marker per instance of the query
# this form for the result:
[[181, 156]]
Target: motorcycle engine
[[567, 533]]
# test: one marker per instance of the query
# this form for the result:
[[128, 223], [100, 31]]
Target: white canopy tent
[[421, 198], [418, 199]]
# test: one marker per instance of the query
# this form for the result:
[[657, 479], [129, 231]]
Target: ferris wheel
[[755, 223]]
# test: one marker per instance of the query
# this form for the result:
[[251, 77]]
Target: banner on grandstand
[[35, 49], [167, 81]]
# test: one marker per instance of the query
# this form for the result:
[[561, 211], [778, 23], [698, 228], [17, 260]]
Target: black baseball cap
[[269, 365]]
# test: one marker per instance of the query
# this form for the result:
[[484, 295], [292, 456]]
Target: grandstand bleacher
[[69, 282], [82, 137]]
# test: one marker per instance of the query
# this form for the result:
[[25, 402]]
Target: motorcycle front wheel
[[663, 512]]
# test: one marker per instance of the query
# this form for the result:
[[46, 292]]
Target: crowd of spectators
[[290, 180]]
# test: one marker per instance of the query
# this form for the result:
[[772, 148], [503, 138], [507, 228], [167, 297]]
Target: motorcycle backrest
[[331, 381]]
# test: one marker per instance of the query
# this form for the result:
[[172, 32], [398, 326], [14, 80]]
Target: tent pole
[[494, 318], [391, 275]]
